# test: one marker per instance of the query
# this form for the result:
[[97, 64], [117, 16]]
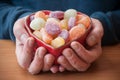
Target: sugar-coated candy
[[52, 27], [71, 22], [31, 17], [64, 24], [85, 20], [70, 13], [40, 14], [47, 12], [57, 14], [37, 23], [58, 42], [45, 36], [58, 28], [53, 19], [64, 34], [38, 34], [77, 31], [79, 16]]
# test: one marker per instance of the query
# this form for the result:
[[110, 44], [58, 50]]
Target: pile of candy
[[56, 28]]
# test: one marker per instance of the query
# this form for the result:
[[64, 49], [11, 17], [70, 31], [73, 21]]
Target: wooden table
[[107, 67]]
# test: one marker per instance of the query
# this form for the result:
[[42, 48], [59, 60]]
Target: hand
[[79, 58], [33, 61]]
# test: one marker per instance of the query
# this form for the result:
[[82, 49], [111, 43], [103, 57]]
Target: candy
[[57, 28], [47, 12], [64, 34], [85, 20], [64, 24], [57, 14], [70, 13], [40, 14], [37, 23], [52, 27], [45, 36], [71, 22], [31, 17], [58, 42], [38, 34], [77, 31]]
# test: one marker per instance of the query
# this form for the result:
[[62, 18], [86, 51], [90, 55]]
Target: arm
[[8, 15], [111, 25], [12, 20]]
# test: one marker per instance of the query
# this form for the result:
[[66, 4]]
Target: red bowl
[[54, 51]]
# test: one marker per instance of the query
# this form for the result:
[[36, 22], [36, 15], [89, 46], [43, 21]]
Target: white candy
[[37, 23], [70, 13]]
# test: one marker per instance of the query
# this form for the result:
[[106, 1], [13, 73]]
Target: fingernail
[[75, 45], [23, 38], [68, 53], [61, 69], [30, 43], [91, 40], [54, 69], [40, 53]]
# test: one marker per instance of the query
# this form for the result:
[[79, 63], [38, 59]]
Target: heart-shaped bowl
[[54, 51]]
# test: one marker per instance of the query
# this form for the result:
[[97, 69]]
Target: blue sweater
[[107, 11]]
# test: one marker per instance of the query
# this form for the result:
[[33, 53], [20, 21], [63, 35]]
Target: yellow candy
[[55, 20], [58, 42], [37, 34], [64, 24]]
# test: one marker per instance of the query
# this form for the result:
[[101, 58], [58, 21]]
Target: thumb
[[20, 31], [96, 33]]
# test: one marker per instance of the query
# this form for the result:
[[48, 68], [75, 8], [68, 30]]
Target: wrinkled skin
[[76, 58]]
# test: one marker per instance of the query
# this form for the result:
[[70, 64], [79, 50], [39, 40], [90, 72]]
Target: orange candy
[[40, 14], [77, 31], [78, 17], [45, 36], [82, 19]]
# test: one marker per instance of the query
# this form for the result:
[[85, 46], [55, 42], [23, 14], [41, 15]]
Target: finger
[[20, 31], [74, 60], [61, 69], [87, 55], [19, 51], [54, 69], [63, 61], [96, 34], [48, 62], [38, 61], [25, 53]]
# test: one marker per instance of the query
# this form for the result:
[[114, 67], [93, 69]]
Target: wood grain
[[107, 67]]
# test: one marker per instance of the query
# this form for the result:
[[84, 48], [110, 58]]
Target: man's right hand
[[33, 61]]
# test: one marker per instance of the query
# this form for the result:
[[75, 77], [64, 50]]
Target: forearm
[[111, 25], [8, 15]]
